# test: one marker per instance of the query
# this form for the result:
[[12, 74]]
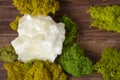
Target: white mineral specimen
[[39, 37]]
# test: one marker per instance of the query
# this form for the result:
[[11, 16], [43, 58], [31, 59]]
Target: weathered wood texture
[[92, 40]]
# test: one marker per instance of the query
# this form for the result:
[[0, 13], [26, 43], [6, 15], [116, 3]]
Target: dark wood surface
[[91, 39]]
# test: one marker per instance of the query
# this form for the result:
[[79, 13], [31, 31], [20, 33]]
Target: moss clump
[[14, 24], [15, 70], [8, 54], [74, 62], [34, 70], [105, 18], [109, 64], [71, 30], [72, 59], [36, 7]]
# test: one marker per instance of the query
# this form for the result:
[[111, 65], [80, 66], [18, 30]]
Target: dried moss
[[15, 70], [14, 24], [105, 18], [34, 70], [36, 7], [109, 64], [8, 54], [37, 72]]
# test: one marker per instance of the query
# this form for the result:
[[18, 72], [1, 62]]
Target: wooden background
[[92, 40]]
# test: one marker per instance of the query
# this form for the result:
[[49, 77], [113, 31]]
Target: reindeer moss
[[72, 59], [14, 24], [36, 7], [109, 64], [8, 54], [15, 70], [105, 17], [34, 70], [74, 62], [71, 30]]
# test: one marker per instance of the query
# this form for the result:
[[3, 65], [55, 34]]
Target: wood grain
[[91, 39]]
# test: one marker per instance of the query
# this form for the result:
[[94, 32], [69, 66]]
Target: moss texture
[[109, 64], [14, 24], [34, 70], [73, 60], [105, 17], [36, 7], [8, 54], [71, 30]]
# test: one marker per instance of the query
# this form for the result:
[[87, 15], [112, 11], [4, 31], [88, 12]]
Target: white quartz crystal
[[39, 37]]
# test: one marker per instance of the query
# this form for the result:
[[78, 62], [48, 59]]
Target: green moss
[[14, 24], [71, 30], [109, 64], [34, 70], [36, 7], [105, 18], [74, 62], [8, 54]]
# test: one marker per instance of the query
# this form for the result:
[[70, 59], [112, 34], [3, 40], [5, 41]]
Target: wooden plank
[[96, 46], [1, 65], [9, 33], [75, 9], [4, 26], [105, 2], [6, 40], [89, 2], [7, 13], [3, 74], [94, 76], [2, 45], [74, 3], [3, 78], [5, 3], [96, 32]]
